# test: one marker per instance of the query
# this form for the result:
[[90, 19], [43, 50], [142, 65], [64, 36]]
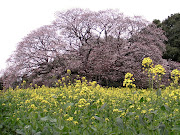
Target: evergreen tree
[[1, 84], [171, 26]]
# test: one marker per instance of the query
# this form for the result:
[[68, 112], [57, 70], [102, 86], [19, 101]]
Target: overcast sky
[[20, 17]]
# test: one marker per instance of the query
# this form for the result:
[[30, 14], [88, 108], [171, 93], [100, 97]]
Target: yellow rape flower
[[123, 114], [128, 81], [175, 75], [75, 122], [147, 63], [136, 117], [176, 110], [69, 71], [45, 110], [33, 106], [63, 79], [82, 102], [148, 99], [70, 119], [151, 109], [61, 110], [106, 119], [158, 70], [75, 112], [68, 108], [143, 111], [115, 110]]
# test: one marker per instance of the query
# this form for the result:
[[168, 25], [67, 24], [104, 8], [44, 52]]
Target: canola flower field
[[86, 108]]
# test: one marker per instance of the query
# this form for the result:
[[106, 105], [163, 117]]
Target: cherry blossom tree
[[34, 54], [102, 46]]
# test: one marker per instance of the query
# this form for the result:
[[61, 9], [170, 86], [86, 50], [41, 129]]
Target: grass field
[[88, 109]]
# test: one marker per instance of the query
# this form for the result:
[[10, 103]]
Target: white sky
[[19, 17]]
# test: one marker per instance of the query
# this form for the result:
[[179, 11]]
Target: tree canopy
[[171, 26], [102, 46]]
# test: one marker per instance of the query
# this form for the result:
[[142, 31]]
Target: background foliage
[[171, 26]]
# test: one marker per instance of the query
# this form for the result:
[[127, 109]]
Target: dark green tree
[[1, 84], [157, 22], [171, 26]]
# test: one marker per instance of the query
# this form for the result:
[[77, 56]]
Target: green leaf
[[85, 132], [142, 121], [1, 126], [131, 113], [65, 128], [93, 128], [54, 96], [46, 131], [38, 133], [97, 118], [68, 104], [162, 126], [33, 131], [176, 128], [53, 120], [36, 115], [165, 107], [59, 129], [27, 126], [119, 123], [122, 109], [20, 132], [154, 112], [45, 118], [103, 106], [141, 100], [158, 92], [162, 129]]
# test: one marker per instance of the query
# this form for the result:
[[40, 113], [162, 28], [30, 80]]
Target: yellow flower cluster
[[69, 71], [106, 119], [148, 66], [75, 122], [128, 81], [82, 103], [143, 111], [116, 110], [147, 63], [158, 70], [93, 83], [70, 119], [63, 79], [175, 75]]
